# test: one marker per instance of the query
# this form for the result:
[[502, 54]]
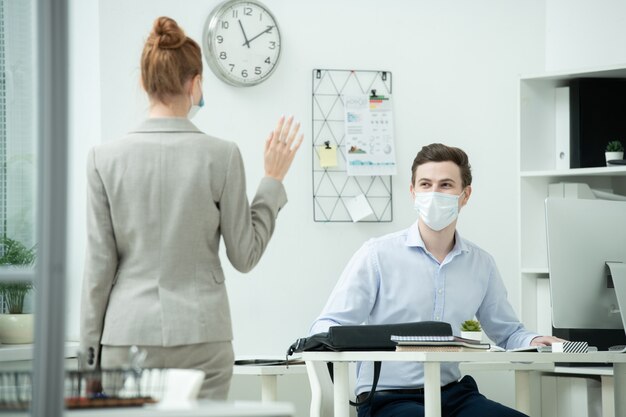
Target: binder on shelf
[[597, 108], [562, 126], [333, 189]]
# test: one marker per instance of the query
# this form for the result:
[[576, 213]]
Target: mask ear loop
[[191, 92], [463, 203], [201, 101]]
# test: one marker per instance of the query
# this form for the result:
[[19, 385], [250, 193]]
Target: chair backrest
[[322, 389]]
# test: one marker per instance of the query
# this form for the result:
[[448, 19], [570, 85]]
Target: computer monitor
[[584, 234]]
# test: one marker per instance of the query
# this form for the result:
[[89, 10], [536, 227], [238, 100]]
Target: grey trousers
[[215, 359]]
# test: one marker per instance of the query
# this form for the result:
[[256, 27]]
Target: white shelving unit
[[537, 169]]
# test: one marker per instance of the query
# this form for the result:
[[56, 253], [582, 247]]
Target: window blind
[[17, 121]]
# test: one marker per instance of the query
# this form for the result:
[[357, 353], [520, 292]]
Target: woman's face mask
[[437, 210], [193, 110]]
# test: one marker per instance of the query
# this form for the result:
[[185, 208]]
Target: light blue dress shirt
[[394, 279]]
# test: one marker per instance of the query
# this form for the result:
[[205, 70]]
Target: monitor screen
[[582, 236]]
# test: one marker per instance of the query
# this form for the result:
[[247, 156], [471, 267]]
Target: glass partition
[[33, 148], [18, 198]]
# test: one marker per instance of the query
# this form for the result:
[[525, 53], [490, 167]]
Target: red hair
[[169, 59]]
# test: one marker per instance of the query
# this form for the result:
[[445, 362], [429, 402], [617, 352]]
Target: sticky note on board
[[358, 207], [328, 156]]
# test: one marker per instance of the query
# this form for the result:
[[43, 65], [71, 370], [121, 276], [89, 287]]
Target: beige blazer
[[158, 202]]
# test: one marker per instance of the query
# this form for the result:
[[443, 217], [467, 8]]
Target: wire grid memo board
[[332, 186]]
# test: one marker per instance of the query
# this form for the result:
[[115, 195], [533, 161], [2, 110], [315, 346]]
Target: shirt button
[[437, 318], [439, 291]]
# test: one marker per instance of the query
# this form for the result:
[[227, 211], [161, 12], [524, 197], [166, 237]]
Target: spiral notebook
[[433, 342]]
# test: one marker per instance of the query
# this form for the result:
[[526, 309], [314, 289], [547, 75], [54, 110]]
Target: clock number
[[232, 67], [247, 11], [222, 55], [235, 13], [220, 39], [224, 24], [267, 61], [244, 73], [272, 45], [257, 70]]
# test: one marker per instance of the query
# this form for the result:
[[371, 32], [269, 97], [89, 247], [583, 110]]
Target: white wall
[[585, 34], [84, 132], [455, 67]]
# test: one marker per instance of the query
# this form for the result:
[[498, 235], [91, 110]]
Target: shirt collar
[[166, 124], [414, 238]]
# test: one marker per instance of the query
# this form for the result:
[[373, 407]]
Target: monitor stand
[[618, 274], [602, 338]]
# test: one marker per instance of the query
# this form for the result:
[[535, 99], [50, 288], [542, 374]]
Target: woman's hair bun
[[167, 34], [169, 59]]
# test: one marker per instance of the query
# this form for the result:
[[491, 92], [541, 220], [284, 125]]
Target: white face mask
[[437, 210], [193, 110]]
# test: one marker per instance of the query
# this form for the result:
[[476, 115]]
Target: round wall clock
[[241, 42]]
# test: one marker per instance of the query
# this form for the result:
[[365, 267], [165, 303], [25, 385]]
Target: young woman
[[159, 201]]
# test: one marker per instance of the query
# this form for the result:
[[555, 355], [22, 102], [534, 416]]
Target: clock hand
[[247, 42], [265, 31]]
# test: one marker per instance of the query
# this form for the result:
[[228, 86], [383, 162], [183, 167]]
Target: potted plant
[[470, 329], [614, 150], [15, 326]]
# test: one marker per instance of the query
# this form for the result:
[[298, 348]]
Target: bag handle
[[370, 395]]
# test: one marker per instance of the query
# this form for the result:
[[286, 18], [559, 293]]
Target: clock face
[[242, 42]]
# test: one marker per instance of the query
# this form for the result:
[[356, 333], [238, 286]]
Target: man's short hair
[[438, 152]]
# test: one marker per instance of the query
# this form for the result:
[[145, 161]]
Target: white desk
[[432, 372], [269, 376], [20, 357], [12, 353], [194, 409], [606, 383]]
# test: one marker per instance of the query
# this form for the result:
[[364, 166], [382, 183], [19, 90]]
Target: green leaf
[[471, 326], [14, 253], [614, 146]]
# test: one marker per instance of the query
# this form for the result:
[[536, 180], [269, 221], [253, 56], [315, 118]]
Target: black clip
[[318, 74], [373, 94], [327, 143], [384, 76]]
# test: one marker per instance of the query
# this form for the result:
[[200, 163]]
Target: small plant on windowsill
[[614, 150], [15, 326], [470, 329]]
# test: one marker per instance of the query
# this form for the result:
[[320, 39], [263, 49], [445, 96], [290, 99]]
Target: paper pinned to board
[[369, 137], [328, 156], [358, 207]]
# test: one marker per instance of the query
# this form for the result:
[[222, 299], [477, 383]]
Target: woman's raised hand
[[281, 147]]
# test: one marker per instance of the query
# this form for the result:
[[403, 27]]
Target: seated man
[[427, 272]]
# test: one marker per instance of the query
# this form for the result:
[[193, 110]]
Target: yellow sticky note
[[328, 156]]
